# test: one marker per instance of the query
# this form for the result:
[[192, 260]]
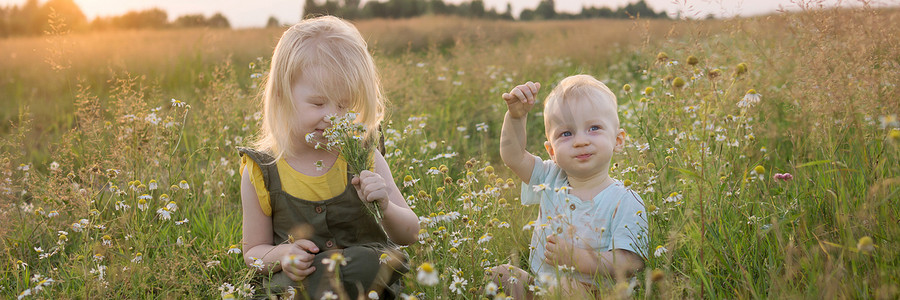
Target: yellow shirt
[[311, 188]]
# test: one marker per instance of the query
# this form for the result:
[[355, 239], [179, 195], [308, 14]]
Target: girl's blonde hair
[[578, 87], [331, 53]]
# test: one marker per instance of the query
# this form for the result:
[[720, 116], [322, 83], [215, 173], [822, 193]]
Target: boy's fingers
[[526, 92], [533, 87], [518, 95]]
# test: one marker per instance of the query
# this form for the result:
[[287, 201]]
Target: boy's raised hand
[[521, 98]]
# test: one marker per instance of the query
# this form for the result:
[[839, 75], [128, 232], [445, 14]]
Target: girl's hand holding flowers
[[371, 188]]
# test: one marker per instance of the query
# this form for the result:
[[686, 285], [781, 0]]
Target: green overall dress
[[339, 224]]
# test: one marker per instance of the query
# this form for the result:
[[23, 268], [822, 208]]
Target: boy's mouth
[[583, 156]]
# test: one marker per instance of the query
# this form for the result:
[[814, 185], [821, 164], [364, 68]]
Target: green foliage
[[703, 156]]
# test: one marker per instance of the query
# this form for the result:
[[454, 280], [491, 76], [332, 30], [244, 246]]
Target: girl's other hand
[[371, 187], [297, 262]]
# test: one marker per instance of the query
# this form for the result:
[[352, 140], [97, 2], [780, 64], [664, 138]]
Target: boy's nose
[[580, 140]]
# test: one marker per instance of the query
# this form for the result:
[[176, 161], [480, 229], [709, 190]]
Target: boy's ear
[[549, 148], [620, 140]]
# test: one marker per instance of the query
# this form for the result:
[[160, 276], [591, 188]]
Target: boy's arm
[[512, 135], [616, 262]]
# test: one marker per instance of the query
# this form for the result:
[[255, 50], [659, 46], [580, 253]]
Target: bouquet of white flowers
[[348, 139]]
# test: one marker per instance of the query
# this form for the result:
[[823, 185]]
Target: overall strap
[[267, 165]]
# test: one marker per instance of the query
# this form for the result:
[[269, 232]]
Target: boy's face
[[582, 135]]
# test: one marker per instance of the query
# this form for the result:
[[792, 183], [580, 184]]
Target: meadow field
[[765, 149]]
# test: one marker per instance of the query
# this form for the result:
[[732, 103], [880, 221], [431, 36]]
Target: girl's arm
[[257, 231], [400, 222]]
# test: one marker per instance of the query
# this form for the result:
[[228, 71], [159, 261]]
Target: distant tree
[[527, 15], [218, 21], [273, 22], [508, 14], [66, 10], [151, 18], [546, 10], [191, 20]]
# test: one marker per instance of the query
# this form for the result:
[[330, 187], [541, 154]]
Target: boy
[[589, 224]]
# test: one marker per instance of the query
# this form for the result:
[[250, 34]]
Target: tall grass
[[721, 225]]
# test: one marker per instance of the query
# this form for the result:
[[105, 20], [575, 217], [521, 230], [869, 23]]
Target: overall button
[[329, 244], [572, 207], [319, 209]]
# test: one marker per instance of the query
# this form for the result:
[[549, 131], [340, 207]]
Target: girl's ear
[[549, 148], [620, 140]]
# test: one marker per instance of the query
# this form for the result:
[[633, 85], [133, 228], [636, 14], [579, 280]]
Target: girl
[[300, 205]]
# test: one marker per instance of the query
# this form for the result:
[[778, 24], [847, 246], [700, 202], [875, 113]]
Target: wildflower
[[529, 226], [63, 237], [759, 170], [184, 185], [24, 293], [384, 258], [179, 241], [107, 240], [678, 82], [626, 88], [740, 69], [491, 289], [485, 238], [336, 259], [122, 206], [408, 181], [458, 285], [98, 257], [172, 206], [142, 204], [692, 60], [177, 103], [715, 73], [137, 257], [234, 249], [750, 99], [865, 244], [889, 121], [77, 227], [329, 295], [783, 176], [539, 187], [164, 213], [660, 250], [181, 222], [372, 295], [320, 165], [257, 263], [662, 56], [427, 274], [648, 91]]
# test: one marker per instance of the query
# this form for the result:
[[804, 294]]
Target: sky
[[243, 13]]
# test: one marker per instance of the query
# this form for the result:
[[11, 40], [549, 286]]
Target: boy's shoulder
[[618, 191]]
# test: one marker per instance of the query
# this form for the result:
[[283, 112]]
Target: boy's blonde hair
[[331, 53], [577, 87]]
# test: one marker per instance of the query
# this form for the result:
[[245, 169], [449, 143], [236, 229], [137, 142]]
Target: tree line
[[394, 9], [33, 18]]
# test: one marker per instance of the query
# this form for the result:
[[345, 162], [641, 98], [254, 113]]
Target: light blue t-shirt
[[614, 219]]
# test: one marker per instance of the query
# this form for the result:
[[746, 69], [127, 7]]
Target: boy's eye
[[566, 133], [594, 128]]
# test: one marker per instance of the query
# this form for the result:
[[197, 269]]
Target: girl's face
[[311, 109]]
